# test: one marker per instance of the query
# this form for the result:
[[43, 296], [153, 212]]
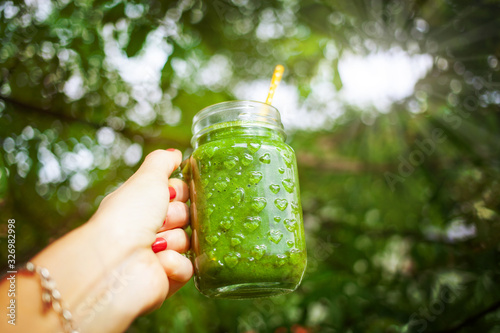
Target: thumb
[[159, 164], [144, 197]]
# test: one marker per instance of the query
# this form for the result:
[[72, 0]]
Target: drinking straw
[[275, 81]]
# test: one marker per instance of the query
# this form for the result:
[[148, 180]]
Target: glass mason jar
[[248, 235]]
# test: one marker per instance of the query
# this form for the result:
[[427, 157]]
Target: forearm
[[91, 281]]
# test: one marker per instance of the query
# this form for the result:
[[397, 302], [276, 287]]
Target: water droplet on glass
[[288, 185], [238, 196], [211, 255], [275, 236], [295, 255], [210, 151], [287, 157], [226, 223], [253, 147], [255, 177], [230, 162], [220, 186], [281, 204], [252, 223], [232, 258], [266, 158], [258, 251], [290, 224], [246, 159], [212, 239], [258, 204], [274, 188], [235, 241], [281, 259]]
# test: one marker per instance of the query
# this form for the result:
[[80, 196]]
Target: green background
[[383, 250]]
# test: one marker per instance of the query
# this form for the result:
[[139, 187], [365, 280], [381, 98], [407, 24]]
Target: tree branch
[[472, 319], [27, 108]]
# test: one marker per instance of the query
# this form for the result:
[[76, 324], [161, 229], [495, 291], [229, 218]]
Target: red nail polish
[[172, 192], [171, 149], [160, 244]]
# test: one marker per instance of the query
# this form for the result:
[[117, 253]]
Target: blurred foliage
[[393, 247]]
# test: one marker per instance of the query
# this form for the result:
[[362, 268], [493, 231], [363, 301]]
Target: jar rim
[[244, 112]]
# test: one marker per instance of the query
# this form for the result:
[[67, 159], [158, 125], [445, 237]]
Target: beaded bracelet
[[51, 297]]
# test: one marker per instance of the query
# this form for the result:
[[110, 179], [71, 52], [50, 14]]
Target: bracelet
[[51, 297]]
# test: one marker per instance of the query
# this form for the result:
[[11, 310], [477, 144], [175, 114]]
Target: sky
[[374, 81]]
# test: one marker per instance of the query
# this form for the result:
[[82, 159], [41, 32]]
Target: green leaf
[[137, 39], [68, 10], [337, 80], [114, 14]]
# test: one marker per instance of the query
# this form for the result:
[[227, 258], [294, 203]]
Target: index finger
[[181, 189]]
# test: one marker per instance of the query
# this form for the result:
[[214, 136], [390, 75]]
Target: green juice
[[248, 234]]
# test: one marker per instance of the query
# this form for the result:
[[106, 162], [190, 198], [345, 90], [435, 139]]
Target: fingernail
[[172, 192], [171, 149], [160, 244]]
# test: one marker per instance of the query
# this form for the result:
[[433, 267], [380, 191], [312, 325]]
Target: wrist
[[107, 307], [93, 277]]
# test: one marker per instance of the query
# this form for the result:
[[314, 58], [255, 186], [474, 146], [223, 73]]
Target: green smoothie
[[248, 234]]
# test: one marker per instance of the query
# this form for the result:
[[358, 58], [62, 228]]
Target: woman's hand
[[106, 270], [149, 208]]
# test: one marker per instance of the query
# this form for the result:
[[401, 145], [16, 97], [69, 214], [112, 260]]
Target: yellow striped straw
[[275, 81]]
